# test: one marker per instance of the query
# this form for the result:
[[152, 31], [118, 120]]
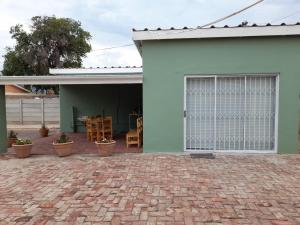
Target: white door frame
[[215, 76]]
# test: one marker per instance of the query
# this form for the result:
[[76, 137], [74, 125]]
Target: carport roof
[[111, 75]]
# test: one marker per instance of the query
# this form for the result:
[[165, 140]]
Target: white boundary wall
[[24, 111]]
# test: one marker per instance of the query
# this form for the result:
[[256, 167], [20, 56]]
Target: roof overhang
[[72, 79], [98, 71], [220, 32]]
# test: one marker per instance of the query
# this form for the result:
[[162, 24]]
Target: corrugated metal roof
[[240, 31], [211, 27], [119, 70]]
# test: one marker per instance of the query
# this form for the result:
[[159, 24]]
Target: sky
[[110, 22]]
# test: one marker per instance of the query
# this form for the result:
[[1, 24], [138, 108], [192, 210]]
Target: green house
[[226, 89]]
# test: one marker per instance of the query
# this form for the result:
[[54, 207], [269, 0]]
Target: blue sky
[[110, 22]]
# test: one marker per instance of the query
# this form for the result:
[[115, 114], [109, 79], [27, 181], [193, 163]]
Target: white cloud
[[110, 21], [126, 56]]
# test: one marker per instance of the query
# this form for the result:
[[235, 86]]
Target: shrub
[[44, 126], [63, 139], [12, 134], [23, 142]]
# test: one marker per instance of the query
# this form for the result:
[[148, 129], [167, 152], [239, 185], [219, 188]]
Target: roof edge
[[97, 71], [220, 32], [70, 79]]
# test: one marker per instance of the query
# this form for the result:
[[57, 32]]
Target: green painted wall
[[3, 131], [166, 62], [90, 100]]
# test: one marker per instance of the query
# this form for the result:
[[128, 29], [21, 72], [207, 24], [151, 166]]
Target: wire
[[218, 20], [278, 19], [190, 29], [108, 48], [231, 15]]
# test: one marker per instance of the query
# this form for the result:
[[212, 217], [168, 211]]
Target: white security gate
[[229, 114]]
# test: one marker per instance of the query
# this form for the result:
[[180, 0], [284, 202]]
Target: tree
[[52, 42], [14, 65]]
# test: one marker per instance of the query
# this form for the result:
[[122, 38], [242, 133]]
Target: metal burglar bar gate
[[231, 113]]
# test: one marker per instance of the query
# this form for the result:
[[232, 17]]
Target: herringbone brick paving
[[151, 189]]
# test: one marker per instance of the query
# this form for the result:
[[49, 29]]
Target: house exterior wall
[[117, 100], [166, 62], [3, 132]]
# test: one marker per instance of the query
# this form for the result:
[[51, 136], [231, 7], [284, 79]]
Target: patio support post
[[3, 131]]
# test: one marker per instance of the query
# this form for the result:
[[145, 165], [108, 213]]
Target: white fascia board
[[69, 79], [230, 32], [98, 71]]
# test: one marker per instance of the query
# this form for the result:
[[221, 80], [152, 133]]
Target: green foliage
[[52, 42], [23, 142], [44, 126], [63, 139], [14, 64], [104, 140], [12, 134]]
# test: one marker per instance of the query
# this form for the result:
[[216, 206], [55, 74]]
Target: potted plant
[[44, 131], [11, 138], [22, 148], [63, 145], [105, 147]]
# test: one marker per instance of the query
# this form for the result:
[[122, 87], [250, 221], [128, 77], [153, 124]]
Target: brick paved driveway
[[150, 189]]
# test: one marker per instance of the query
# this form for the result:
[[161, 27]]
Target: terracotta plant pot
[[44, 132], [22, 151], [106, 149], [11, 141], [63, 149]]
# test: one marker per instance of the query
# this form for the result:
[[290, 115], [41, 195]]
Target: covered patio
[[108, 92]]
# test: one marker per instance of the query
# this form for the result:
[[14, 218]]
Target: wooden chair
[[91, 129], [107, 131], [135, 136]]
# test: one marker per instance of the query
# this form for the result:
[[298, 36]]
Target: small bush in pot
[[11, 138], [44, 131], [63, 145], [22, 148], [105, 147]]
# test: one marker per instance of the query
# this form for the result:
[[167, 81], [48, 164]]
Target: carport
[[92, 77]]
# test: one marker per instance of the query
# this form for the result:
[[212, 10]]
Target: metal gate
[[231, 113]]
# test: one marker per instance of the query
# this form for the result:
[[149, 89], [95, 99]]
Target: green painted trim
[[3, 130]]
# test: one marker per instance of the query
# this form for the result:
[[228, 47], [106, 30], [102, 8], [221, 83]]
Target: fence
[[32, 111]]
